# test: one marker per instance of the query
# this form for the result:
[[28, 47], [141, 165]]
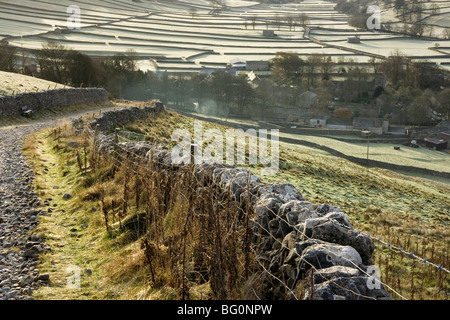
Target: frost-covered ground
[[194, 34], [385, 44], [435, 15], [13, 83], [442, 19]]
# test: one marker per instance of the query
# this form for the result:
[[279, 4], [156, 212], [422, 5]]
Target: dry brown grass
[[154, 222]]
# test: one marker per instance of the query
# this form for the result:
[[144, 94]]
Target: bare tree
[[431, 30], [395, 67], [444, 102], [375, 64], [253, 20], [287, 68], [356, 77], [24, 59], [243, 92], [313, 62], [7, 58], [418, 29], [289, 21], [52, 61], [265, 95], [399, 5], [326, 64], [324, 98], [278, 21], [192, 12], [303, 20], [80, 69]]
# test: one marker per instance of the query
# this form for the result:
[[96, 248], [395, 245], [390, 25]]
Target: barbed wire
[[409, 254]]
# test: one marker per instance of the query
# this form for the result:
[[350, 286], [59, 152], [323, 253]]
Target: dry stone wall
[[109, 119], [295, 238], [16, 104]]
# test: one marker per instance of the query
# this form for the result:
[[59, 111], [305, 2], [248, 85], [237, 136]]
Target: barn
[[353, 40], [439, 142], [238, 63]]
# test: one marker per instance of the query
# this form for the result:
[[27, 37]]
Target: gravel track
[[20, 208], [19, 212]]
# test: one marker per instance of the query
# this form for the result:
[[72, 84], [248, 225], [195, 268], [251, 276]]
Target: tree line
[[409, 88], [58, 63], [411, 15], [412, 88]]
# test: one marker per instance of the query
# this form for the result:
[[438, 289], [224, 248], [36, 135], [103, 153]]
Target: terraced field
[[180, 36], [435, 14], [384, 44], [187, 36]]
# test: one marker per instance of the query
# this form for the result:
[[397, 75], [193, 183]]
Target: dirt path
[[19, 211], [20, 208]]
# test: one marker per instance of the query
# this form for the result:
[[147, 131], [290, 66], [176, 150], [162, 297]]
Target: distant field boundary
[[11, 105], [370, 162], [359, 161]]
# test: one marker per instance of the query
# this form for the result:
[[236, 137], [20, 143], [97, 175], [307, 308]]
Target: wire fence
[[137, 162], [410, 254], [125, 136]]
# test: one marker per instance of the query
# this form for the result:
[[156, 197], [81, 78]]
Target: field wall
[[370, 162], [107, 120], [15, 104], [294, 237]]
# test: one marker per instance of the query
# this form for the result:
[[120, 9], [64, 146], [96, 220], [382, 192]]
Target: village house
[[438, 142]]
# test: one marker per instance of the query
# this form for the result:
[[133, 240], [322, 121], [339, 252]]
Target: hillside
[[407, 212], [188, 36], [14, 83]]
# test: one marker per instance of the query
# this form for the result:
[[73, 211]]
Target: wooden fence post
[[116, 150], [193, 152]]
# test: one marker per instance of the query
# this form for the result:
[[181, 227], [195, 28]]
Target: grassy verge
[[108, 267], [110, 262]]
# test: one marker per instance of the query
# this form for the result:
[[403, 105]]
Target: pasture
[[385, 152]]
